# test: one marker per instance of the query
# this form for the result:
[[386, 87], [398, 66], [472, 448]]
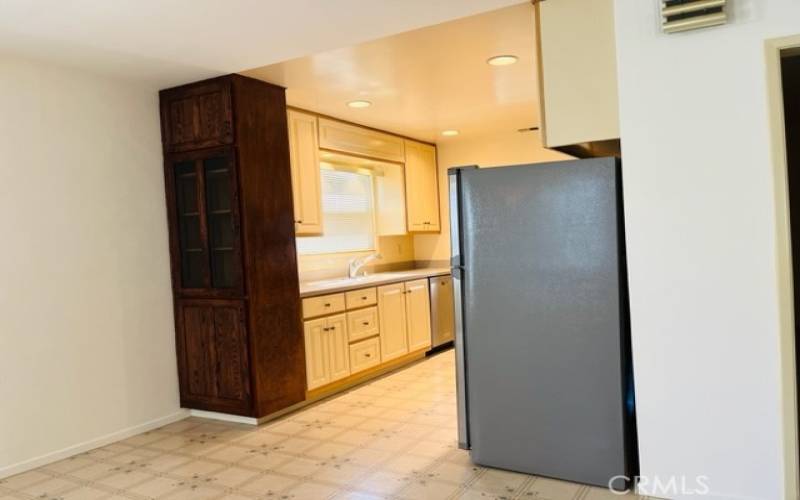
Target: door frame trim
[[783, 265]]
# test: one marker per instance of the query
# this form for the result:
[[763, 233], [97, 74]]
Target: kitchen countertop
[[333, 285]]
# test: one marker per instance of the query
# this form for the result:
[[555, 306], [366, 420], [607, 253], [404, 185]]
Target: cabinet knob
[[325, 329], [365, 323], [367, 355], [363, 298], [298, 222], [327, 305]]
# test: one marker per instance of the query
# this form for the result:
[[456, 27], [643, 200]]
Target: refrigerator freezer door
[[541, 313]]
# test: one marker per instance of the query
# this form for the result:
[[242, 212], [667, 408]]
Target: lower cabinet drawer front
[[361, 298], [362, 323], [324, 304], [365, 354]]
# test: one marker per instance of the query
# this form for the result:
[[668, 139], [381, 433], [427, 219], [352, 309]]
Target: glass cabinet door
[[207, 224], [222, 240]]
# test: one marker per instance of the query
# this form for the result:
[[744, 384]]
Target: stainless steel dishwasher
[[442, 330]]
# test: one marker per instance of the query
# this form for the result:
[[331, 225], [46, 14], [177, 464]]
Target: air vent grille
[[684, 15]]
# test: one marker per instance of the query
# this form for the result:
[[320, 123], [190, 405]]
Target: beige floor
[[392, 438]]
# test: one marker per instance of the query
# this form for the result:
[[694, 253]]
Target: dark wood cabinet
[[234, 270], [203, 196], [212, 347], [197, 117]]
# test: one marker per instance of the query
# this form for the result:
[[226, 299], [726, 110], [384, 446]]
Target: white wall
[[86, 328], [703, 233], [492, 150]]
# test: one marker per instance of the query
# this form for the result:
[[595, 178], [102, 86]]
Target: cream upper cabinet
[[418, 314], [392, 317], [304, 156], [390, 197], [327, 350], [338, 136], [577, 71], [422, 189], [317, 370]]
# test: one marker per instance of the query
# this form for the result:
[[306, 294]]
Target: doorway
[[790, 82]]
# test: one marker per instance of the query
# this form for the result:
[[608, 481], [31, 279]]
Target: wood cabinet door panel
[[212, 353], [197, 335], [317, 365], [338, 347], [197, 117], [422, 188], [231, 353], [306, 184], [392, 318], [418, 311]]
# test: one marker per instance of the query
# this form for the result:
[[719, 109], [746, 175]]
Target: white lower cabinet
[[365, 336], [418, 310], [365, 354], [405, 318], [327, 351], [392, 314]]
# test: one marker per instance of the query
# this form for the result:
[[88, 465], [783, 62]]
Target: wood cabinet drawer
[[362, 323], [364, 354], [361, 298], [338, 136], [324, 304]]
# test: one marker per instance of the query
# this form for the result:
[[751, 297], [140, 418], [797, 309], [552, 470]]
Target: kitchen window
[[348, 213]]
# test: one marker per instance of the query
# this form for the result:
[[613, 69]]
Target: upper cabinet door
[[338, 136], [418, 312], [304, 154], [204, 214], [422, 188], [578, 97], [196, 117]]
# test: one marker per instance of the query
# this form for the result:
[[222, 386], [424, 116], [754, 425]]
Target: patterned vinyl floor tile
[[392, 438]]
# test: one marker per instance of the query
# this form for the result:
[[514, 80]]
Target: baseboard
[[55, 456], [224, 417]]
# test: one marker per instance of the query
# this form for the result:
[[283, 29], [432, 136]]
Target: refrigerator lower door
[[541, 318]]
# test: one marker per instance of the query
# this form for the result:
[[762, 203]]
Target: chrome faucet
[[356, 263]]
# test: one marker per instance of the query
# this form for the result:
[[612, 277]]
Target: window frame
[[373, 209]]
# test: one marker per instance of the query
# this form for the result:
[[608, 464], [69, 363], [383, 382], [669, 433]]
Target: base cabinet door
[[317, 369], [327, 351], [338, 348], [392, 314], [418, 312], [213, 361]]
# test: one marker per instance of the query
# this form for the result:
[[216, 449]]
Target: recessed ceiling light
[[359, 104], [503, 60], [449, 133]]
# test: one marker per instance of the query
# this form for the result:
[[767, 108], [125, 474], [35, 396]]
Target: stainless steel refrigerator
[[541, 320]]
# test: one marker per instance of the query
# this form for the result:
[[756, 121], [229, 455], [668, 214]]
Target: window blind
[[348, 222]]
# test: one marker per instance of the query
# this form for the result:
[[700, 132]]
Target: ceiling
[[165, 43], [427, 80]]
